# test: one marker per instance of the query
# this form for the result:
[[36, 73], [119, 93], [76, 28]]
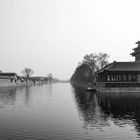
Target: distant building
[[7, 76], [37, 78], [121, 74]]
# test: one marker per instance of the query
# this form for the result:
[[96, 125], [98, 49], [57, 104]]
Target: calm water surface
[[64, 112]]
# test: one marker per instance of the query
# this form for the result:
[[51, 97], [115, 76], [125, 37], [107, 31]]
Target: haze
[[52, 36]]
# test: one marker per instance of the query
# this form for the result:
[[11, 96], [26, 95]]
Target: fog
[[52, 36]]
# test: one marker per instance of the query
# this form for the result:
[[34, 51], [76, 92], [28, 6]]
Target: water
[[62, 112]]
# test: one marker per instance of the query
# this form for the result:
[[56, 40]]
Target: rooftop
[[7, 74], [122, 66]]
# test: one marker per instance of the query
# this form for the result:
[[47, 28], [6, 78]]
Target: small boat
[[91, 87]]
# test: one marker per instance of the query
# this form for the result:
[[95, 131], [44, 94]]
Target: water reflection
[[7, 96], [123, 108], [100, 109], [89, 109], [27, 94], [52, 112]]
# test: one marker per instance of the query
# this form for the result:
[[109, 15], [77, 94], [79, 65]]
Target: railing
[[119, 84]]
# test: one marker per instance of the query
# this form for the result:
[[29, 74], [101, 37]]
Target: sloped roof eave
[[122, 67]]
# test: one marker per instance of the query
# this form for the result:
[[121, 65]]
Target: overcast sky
[[52, 36]]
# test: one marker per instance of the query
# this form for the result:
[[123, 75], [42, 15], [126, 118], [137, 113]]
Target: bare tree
[[91, 61], [96, 62], [50, 76], [27, 72], [88, 68], [102, 60]]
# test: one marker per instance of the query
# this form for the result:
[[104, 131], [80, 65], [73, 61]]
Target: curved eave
[[134, 53], [118, 71]]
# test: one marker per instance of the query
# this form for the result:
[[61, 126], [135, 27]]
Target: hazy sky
[[52, 36]]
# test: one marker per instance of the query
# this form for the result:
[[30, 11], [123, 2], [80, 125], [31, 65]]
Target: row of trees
[[87, 69]]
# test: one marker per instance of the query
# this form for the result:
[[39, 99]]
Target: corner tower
[[136, 52]]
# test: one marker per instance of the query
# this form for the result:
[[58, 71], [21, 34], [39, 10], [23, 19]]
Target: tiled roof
[[122, 66], [37, 78], [7, 74]]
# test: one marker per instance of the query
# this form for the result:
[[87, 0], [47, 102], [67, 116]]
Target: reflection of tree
[[89, 109], [7, 96], [123, 108], [27, 94]]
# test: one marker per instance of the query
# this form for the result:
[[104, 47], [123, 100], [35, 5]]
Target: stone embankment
[[18, 84]]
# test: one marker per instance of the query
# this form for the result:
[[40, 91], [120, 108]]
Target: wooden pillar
[[129, 77], [136, 77], [103, 77], [121, 76], [106, 78], [117, 77], [113, 77], [126, 77], [110, 77], [99, 78]]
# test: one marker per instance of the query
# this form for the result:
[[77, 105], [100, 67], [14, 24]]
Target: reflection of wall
[[124, 106], [97, 109]]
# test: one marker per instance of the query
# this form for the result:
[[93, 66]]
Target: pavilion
[[121, 74]]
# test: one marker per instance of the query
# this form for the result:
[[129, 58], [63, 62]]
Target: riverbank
[[22, 84], [18, 84], [80, 84]]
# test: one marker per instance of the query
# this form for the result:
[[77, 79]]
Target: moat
[[62, 111]]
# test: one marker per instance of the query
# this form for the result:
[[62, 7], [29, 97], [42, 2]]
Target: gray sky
[[52, 36]]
